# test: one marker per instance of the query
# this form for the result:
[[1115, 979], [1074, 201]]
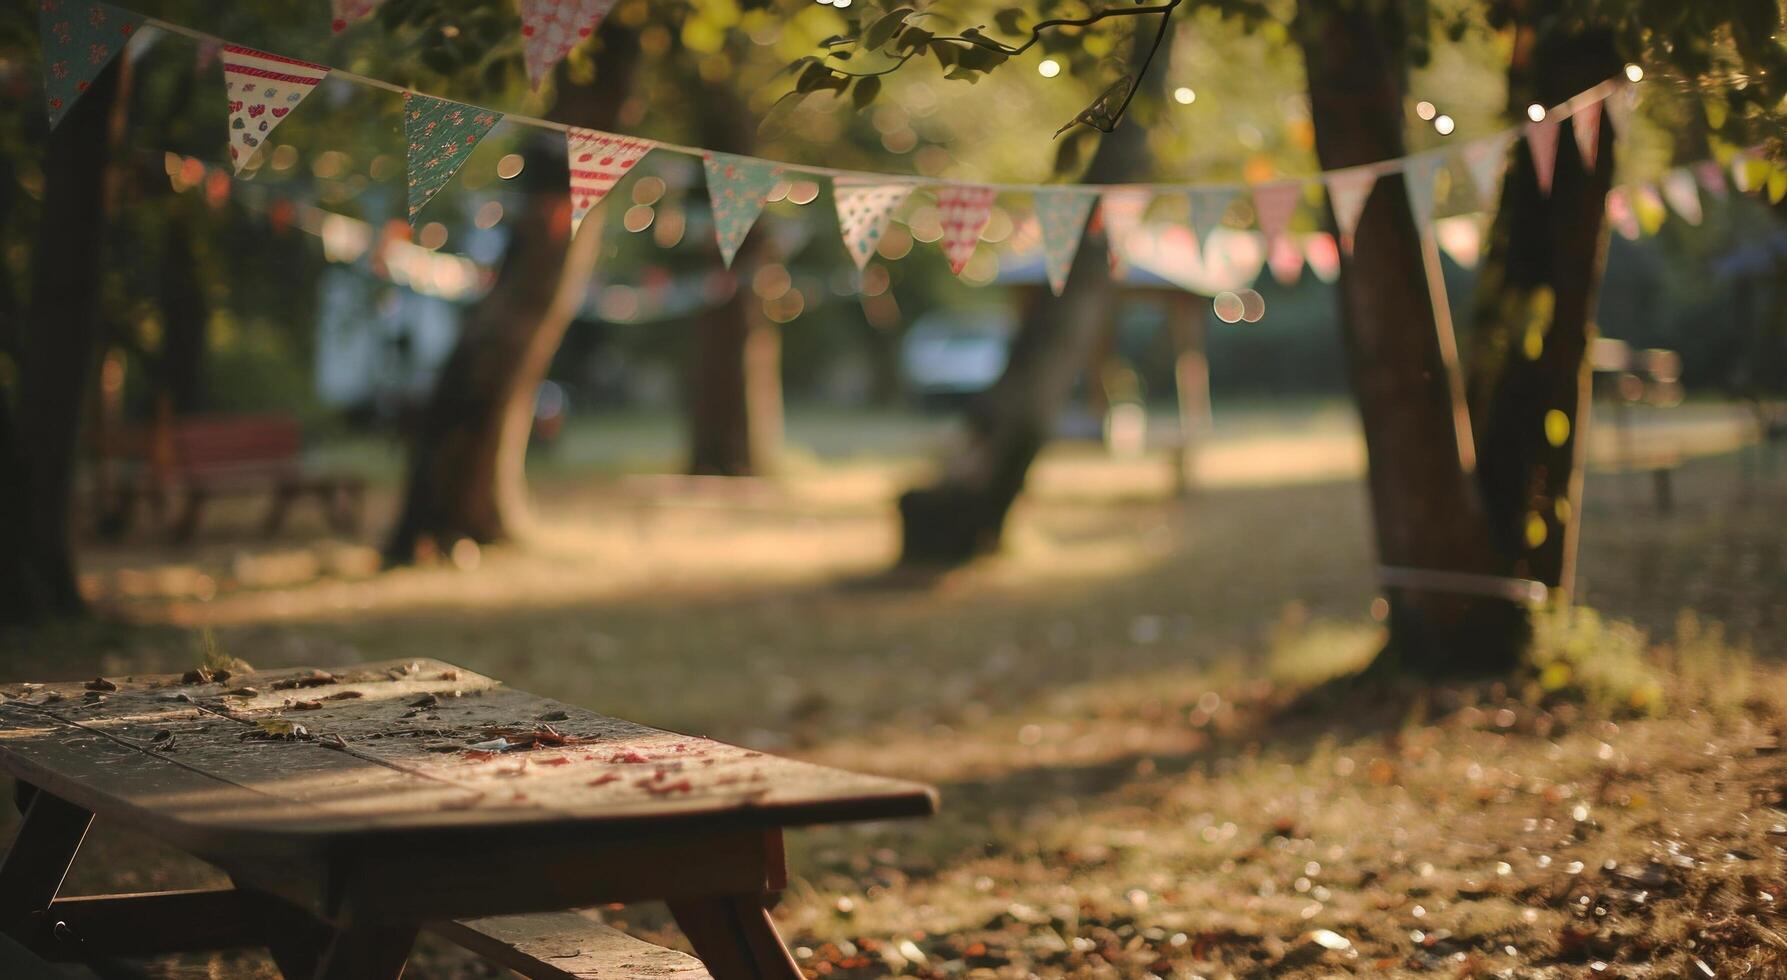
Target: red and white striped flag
[[598, 161]]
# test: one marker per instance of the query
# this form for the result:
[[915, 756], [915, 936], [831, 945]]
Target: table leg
[[40, 857], [366, 953], [735, 937]]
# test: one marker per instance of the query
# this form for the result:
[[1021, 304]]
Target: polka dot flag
[[79, 40], [863, 213], [551, 28], [440, 136], [964, 211], [598, 161]]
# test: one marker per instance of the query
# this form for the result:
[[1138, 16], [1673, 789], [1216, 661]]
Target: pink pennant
[[1285, 258], [1712, 178], [1274, 204], [964, 211], [598, 160], [1586, 126], [347, 11], [1348, 190], [1621, 214], [1122, 212], [1541, 142], [551, 28]]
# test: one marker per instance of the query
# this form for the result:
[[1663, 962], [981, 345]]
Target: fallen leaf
[[101, 684]]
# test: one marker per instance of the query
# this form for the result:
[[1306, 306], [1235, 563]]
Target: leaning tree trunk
[[735, 379], [962, 515], [58, 344], [1534, 319], [468, 451], [1428, 514]]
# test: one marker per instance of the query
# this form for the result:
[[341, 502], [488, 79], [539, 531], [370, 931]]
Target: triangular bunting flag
[[736, 188], [1712, 178], [1348, 190], [1461, 237], [551, 28], [1208, 205], [1284, 256], [1622, 105], [1541, 142], [1122, 212], [1683, 194], [1274, 204], [262, 90], [1585, 125], [1418, 175], [1649, 206], [1486, 160], [440, 136], [1062, 215], [863, 213], [964, 211], [79, 40], [348, 11], [598, 161], [1621, 215], [1323, 256]]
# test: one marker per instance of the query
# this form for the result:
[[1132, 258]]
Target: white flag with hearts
[[1541, 142], [551, 28], [1683, 194], [964, 211], [1586, 126], [863, 213], [262, 89], [1348, 190], [598, 160]]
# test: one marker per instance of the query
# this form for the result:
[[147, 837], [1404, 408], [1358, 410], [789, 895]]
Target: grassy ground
[[1134, 783]]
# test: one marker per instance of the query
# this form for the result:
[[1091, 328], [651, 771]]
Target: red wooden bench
[[204, 457]]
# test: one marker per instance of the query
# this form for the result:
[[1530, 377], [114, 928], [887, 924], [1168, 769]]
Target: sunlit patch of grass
[[1578, 655], [1305, 652]]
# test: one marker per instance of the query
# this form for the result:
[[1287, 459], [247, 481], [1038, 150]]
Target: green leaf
[[1009, 18], [913, 38], [884, 28], [865, 91]]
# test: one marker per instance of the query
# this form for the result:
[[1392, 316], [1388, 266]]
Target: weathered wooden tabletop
[[284, 762]]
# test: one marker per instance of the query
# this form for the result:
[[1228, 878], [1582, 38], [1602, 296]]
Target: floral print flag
[[863, 213], [736, 188], [1062, 215], [262, 89], [598, 160], [964, 211], [79, 40], [440, 136], [551, 28]]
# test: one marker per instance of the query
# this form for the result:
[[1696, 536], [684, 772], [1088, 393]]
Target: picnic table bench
[[206, 457], [352, 808]]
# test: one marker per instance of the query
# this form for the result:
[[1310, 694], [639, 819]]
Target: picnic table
[[352, 808]]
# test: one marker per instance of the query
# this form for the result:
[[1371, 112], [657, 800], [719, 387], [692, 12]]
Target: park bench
[[207, 457], [353, 808]]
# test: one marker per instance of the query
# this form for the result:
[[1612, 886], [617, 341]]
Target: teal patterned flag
[[1208, 205], [79, 39], [441, 135], [737, 186], [1062, 215]]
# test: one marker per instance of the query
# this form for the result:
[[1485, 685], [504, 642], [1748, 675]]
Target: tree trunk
[[962, 515], [468, 451], [1426, 509], [1533, 320], [735, 377], [58, 348], [185, 311]]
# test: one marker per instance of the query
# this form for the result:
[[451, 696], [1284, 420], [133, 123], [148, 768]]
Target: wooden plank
[[567, 946]]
